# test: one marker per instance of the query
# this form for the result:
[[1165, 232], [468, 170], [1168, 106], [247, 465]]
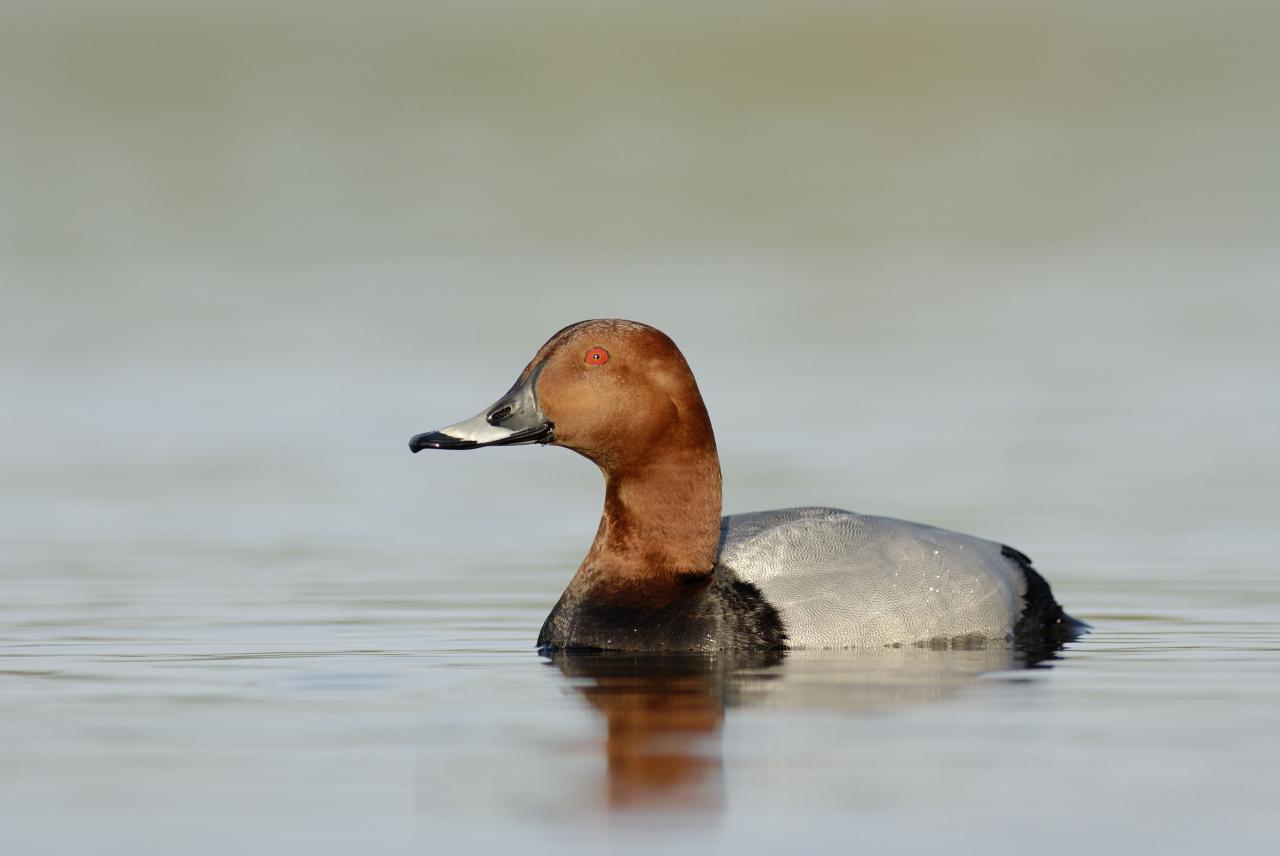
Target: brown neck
[[660, 530]]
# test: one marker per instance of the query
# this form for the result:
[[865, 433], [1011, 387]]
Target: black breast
[[725, 614]]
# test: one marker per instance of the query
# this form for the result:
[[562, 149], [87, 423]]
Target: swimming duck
[[667, 573]]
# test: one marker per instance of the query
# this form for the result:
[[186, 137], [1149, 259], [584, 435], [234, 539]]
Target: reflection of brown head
[[657, 744], [662, 718]]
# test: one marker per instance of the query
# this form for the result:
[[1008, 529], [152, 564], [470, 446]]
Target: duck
[[667, 573]]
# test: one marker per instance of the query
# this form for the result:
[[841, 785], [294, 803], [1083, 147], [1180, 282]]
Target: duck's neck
[[659, 534]]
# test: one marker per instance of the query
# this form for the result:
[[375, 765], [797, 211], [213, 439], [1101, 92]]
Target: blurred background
[[1005, 267], [995, 249]]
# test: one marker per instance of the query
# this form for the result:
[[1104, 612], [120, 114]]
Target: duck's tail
[[1043, 624]]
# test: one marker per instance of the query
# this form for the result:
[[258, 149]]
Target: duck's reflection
[[663, 712], [662, 718]]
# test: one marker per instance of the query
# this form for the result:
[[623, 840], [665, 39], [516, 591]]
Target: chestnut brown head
[[615, 391]]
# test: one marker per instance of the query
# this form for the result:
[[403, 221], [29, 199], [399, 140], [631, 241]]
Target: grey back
[[846, 580]]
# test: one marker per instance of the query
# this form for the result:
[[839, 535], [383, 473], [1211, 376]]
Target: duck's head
[[612, 390]]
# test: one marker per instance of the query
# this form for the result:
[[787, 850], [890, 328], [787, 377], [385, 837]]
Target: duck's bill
[[515, 419], [475, 433]]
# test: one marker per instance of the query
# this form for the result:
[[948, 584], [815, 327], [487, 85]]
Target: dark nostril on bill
[[496, 417]]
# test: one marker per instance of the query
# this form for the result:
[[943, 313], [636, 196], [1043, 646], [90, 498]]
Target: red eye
[[597, 356]]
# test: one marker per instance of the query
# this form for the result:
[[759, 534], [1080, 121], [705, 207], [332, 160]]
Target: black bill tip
[[436, 440]]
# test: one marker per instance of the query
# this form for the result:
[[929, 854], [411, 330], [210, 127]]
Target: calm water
[[1011, 272]]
